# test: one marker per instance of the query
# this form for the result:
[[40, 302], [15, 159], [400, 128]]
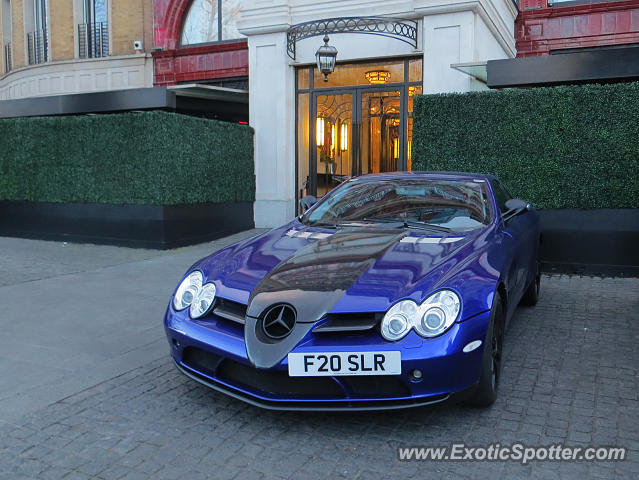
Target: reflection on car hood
[[406, 264]]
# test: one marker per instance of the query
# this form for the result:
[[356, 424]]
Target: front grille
[[278, 383], [348, 322]]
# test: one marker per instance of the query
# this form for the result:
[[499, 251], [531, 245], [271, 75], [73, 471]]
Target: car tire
[[531, 295], [486, 391]]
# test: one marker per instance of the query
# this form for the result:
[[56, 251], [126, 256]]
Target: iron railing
[[93, 40], [38, 47], [8, 58]]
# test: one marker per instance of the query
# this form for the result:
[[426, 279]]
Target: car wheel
[[531, 295], [486, 391]]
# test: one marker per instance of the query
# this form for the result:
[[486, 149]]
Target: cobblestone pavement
[[86, 312], [570, 376]]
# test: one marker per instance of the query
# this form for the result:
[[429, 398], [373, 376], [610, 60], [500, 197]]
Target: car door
[[515, 239]]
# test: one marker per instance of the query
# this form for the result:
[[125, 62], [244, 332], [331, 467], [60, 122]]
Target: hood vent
[[230, 310], [348, 322]]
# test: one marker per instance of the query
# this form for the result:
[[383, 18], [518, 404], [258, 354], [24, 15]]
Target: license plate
[[344, 363]]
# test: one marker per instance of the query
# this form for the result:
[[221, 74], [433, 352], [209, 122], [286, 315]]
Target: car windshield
[[412, 202]]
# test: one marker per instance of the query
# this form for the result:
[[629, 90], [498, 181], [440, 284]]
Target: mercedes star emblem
[[279, 321]]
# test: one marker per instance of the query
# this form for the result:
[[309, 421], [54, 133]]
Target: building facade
[[56, 47], [312, 133], [545, 27], [563, 42], [197, 41]]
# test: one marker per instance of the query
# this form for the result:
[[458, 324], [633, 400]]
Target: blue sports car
[[392, 291]]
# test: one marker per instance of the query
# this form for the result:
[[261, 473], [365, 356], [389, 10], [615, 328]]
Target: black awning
[[588, 66], [210, 102]]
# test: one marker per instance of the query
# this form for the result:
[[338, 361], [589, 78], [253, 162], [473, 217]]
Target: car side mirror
[[515, 207], [307, 202]]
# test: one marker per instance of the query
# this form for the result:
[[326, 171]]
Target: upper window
[[211, 21], [95, 11], [36, 26], [93, 34], [6, 35]]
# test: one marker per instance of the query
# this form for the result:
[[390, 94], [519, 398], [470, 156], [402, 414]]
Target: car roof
[[429, 174]]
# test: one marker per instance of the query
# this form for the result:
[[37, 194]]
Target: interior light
[[378, 77], [395, 147], [343, 137], [319, 131], [333, 138]]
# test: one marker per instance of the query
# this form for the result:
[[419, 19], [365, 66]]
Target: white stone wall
[[450, 32], [78, 76]]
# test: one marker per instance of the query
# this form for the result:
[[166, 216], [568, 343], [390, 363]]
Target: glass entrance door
[[356, 131], [380, 131], [358, 122], [334, 156]]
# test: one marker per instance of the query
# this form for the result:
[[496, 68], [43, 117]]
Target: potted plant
[[325, 157]]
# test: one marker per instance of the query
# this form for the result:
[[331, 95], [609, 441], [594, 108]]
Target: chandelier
[[378, 77]]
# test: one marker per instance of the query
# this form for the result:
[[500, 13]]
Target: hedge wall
[[561, 147], [154, 158]]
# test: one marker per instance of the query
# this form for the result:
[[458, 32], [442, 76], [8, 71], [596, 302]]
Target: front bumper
[[212, 352]]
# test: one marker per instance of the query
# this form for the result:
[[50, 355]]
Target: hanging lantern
[[326, 56]]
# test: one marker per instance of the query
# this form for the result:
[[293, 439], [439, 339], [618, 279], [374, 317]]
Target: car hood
[[354, 269], [372, 268]]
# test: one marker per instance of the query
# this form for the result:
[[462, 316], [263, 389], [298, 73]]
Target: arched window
[[211, 21]]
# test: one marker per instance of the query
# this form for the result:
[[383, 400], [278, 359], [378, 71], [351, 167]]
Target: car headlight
[[191, 293], [203, 301], [433, 317], [399, 320]]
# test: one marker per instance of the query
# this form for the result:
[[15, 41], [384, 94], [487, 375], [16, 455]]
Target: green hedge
[[561, 147], [154, 158]]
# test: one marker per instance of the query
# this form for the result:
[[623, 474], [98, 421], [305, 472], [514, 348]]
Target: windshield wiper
[[402, 222], [321, 224], [426, 226]]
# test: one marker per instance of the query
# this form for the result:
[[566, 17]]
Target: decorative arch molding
[[176, 64], [168, 31]]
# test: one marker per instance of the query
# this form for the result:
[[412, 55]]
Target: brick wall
[[62, 30], [18, 39], [540, 30], [127, 25]]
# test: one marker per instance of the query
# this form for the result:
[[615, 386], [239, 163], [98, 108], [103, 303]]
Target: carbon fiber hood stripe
[[312, 281]]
